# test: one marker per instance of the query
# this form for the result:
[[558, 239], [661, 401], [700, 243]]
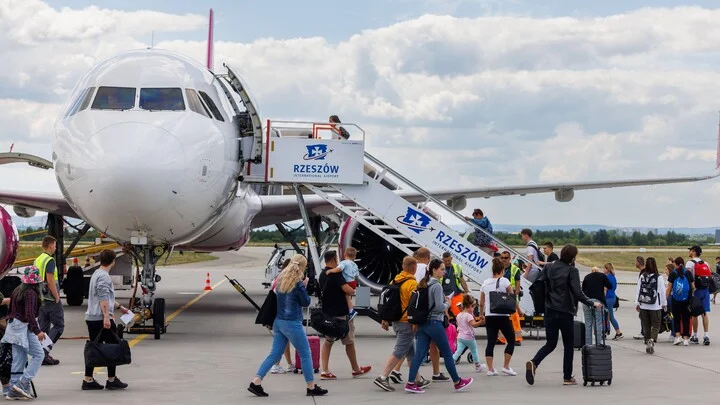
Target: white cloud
[[496, 100]]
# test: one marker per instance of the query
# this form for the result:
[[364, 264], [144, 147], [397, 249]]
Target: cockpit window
[[195, 104], [82, 101], [114, 98], [162, 99], [212, 106]]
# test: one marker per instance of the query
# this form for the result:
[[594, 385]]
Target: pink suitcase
[[314, 343]]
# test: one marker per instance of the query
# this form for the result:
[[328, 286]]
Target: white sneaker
[[276, 369], [677, 341], [492, 373], [481, 368], [686, 342], [509, 371], [672, 339], [290, 368]]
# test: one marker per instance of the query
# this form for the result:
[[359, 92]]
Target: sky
[[451, 92]]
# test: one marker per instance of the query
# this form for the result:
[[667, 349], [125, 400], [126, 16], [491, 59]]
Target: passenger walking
[[495, 323], [466, 332], [100, 318], [52, 316], [594, 286], [611, 298], [562, 280], [703, 277], [24, 333], [678, 292], [650, 302], [433, 330], [292, 297]]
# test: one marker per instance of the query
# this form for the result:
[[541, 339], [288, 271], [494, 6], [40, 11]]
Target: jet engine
[[564, 195], [8, 241], [23, 212]]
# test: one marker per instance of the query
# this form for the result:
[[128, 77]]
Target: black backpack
[[419, 306], [540, 255], [390, 305], [648, 289]]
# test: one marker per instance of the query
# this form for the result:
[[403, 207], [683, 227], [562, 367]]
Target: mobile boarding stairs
[[369, 191]]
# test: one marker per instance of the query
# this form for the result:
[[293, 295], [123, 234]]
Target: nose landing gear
[[149, 312]]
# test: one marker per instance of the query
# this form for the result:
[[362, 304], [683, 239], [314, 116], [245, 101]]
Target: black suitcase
[[579, 333], [597, 363]]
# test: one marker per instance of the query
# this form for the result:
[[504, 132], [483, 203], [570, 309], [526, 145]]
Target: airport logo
[[316, 152], [415, 220]]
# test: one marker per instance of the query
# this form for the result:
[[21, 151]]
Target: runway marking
[[172, 316], [188, 293]]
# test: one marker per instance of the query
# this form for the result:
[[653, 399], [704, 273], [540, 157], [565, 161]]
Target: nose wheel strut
[[150, 312]]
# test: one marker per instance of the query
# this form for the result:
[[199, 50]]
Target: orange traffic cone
[[208, 287]]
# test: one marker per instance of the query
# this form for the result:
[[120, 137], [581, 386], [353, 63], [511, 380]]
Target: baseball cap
[[696, 248]]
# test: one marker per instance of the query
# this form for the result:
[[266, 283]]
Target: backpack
[[418, 309], [390, 305], [648, 289], [540, 255], [703, 274], [681, 287]]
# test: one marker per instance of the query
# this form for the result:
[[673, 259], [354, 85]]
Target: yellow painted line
[[172, 316]]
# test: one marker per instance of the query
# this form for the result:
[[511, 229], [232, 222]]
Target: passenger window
[[81, 102], [195, 104], [162, 99], [114, 98], [216, 113]]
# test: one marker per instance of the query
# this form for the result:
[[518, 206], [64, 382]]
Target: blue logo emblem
[[415, 220], [316, 152]]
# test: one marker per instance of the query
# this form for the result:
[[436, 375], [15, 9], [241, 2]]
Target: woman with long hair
[[650, 301], [24, 334], [434, 330], [292, 297], [495, 323], [679, 291], [611, 298]]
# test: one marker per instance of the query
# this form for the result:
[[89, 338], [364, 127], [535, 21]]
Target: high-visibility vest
[[41, 263], [458, 273], [513, 272]]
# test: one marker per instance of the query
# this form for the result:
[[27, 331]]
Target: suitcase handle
[[594, 320]]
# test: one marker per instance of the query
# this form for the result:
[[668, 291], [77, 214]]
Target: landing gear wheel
[[159, 317], [73, 286]]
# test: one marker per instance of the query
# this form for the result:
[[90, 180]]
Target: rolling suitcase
[[314, 342], [597, 362], [579, 338]]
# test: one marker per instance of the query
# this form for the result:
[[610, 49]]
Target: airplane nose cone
[[132, 172]]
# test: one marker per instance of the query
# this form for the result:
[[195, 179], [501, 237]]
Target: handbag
[[268, 311], [107, 354], [617, 302], [328, 325], [502, 302]]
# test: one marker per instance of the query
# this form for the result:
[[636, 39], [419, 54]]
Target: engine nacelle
[[23, 212], [564, 195], [378, 261], [9, 241]]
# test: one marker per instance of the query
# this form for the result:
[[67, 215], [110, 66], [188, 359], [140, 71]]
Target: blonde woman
[[611, 298], [291, 298]]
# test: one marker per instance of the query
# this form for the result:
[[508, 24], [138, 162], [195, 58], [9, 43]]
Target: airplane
[[146, 151]]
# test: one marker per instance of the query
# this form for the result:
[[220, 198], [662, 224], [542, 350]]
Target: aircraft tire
[[73, 287], [159, 317]]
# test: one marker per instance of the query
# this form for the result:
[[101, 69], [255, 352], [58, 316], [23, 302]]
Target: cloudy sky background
[[451, 92]]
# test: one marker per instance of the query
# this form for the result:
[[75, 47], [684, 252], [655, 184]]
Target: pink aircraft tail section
[[717, 160], [210, 42]]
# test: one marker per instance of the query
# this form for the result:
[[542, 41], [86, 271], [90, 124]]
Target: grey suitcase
[[597, 362]]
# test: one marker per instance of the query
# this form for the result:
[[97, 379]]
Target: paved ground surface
[[212, 349]]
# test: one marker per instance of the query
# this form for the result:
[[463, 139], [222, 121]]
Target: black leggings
[[493, 324], [95, 328], [681, 317]]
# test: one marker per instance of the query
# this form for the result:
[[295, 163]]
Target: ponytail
[[434, 264]]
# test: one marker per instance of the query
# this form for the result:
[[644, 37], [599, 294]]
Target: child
[[350, 272], [466, 333]]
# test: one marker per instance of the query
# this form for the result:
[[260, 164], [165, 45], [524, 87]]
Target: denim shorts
[[704, 294]]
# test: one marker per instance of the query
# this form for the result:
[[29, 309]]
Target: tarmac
[[212, 350]]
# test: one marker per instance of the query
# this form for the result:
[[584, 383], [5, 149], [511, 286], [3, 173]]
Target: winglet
[[210, 42]]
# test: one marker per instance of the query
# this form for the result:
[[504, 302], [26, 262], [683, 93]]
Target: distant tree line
[[605, 237]]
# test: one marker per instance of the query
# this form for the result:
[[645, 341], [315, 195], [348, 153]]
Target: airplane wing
[[285, 208], [53, 203]]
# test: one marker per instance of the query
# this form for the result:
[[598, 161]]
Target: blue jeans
[[433, 330], [611, 311], [589, 323], [288, 331], [20, 358]]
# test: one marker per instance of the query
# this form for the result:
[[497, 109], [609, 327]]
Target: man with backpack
[[532, 251], [703, 279], [394, 301]]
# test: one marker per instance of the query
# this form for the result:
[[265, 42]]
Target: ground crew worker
[[51, 317], [453, 283], [512, 273]]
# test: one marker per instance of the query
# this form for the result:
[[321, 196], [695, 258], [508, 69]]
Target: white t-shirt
[[530, 251], [489, 286], [690, 266], [420, 271]]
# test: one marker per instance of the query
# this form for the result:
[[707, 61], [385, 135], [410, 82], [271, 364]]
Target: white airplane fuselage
[[136, 154]]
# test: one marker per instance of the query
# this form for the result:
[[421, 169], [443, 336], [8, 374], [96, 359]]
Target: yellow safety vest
[[458, 273], [41, 263], [513, 271]]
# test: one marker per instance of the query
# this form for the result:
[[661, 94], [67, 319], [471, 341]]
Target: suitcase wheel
[[295, 371], [610, 381], [602, 382], [317, 370], [592, 384], [470, 358], [584, 383]]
